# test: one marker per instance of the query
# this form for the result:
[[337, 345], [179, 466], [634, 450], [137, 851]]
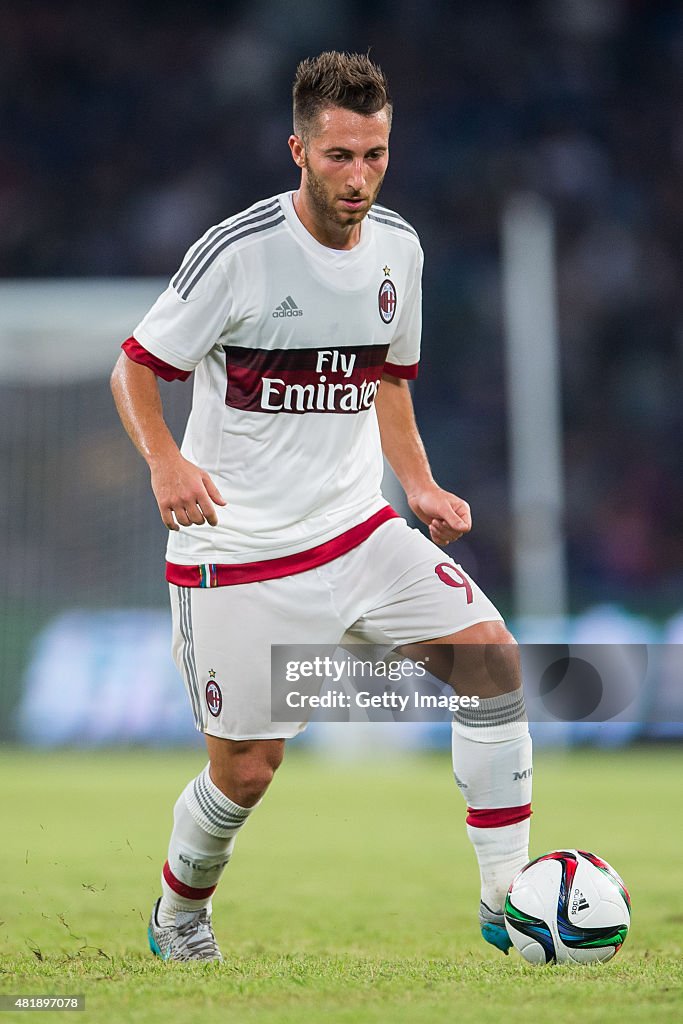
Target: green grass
[[352, 895]]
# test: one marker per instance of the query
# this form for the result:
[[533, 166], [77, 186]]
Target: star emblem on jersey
[[287, 307], [387, 300], [387, 271]]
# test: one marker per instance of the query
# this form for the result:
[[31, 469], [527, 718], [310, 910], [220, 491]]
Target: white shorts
[[397, 587]]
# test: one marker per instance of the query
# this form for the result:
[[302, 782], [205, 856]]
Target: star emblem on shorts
[[386, 271], [212, 673]]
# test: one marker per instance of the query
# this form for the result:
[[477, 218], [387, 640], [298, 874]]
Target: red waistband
[[218, 575]]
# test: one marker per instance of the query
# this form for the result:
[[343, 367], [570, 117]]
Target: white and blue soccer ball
[[568, 906]]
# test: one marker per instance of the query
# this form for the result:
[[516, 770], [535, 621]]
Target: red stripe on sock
[[495, 817], [188, 891]]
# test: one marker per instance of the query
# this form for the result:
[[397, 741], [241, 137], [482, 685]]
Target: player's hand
[[447, 516], [185, 493]]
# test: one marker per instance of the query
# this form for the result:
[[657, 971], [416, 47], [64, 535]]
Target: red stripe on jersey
[[495, 817], [138, 354], [276, 568], [405, 372], [188, 891]]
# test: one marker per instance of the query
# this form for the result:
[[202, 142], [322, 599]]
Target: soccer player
[[301, 318]]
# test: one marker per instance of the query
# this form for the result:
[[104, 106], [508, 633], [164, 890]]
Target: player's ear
[[296, 145]]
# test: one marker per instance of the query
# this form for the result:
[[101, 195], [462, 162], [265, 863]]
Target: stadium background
[[127, 128]]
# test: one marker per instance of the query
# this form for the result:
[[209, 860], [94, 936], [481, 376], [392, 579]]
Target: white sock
[[492, 768], [206, 822]]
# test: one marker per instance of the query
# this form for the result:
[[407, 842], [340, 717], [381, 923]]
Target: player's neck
[[332, 235]]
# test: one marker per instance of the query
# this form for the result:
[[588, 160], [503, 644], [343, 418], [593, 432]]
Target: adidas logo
[[579, 902], [288, 307]]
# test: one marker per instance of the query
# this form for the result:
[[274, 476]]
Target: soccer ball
[[568, 905]]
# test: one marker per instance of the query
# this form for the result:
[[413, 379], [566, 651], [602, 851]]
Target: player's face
[[342, 168]]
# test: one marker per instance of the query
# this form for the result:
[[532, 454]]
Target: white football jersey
[[288, 340]]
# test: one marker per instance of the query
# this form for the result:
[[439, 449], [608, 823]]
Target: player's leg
[[221, 644], [207, 817], [492, 757], [416, 593]]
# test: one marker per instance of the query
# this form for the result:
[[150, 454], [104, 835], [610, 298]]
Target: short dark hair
[[333, 79]]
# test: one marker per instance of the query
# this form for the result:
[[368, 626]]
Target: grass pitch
[[352, 896]]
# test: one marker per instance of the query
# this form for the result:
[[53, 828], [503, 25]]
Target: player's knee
[[502, 657], [487, 657], [250, 783], [245, 783], [495, 632], [246, 777]]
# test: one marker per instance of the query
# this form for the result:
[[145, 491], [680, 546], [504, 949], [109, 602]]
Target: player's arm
[[185, 494], [446, 515]]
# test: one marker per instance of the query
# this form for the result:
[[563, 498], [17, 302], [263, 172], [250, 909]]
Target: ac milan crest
[[387, 300], [214, 698]]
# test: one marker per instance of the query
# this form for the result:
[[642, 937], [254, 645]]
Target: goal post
[[534, 408]]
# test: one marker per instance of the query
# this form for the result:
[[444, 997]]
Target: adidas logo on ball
[[579, 901]]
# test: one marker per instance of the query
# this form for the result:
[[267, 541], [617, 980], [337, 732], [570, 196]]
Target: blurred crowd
[[127, 127]]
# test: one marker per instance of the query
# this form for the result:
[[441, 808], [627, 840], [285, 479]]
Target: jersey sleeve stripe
[[229, 240], [212, 241], [392, 217], [404, 372], [386, 212], [204, 244], [135, 351], [393, 224]]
